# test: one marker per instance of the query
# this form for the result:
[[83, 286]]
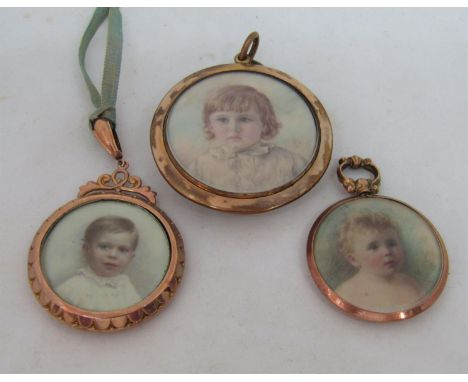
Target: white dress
[[260, 168], [86, 290]]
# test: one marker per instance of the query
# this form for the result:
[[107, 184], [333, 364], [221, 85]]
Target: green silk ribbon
[[104, 102]]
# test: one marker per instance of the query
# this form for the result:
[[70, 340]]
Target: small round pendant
[[109, 259], [376, 257]]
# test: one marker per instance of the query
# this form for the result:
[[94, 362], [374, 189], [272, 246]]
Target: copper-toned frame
[[117, 319], [199, 192], [366, 314]]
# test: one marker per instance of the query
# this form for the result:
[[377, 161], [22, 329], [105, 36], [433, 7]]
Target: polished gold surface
[[109, 321], [248, 50], [364, 189], [120, 181], [107, 137], [199, 192], [359, 186], [362, 313]]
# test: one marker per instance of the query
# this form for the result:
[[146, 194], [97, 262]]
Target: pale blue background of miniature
[[394, 83], [423, 255], [62, 253]]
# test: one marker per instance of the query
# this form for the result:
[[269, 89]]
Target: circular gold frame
[[363, 314], [110, 320], [199, 192]]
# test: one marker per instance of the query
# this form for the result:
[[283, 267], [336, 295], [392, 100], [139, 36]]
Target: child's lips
[[234, 138], [390, 263], [110, 265]]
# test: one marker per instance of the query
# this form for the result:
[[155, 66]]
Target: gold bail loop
[[107, 137], [248, 50], [359, 186]]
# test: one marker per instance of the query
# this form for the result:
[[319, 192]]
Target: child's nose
[[235, 126]]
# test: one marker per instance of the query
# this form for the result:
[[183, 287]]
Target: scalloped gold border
[[199, 192], [362, 313], [113, 320]]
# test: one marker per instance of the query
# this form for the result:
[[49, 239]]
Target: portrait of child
[[242, 133], [240, 121], [371, 243], [109, 246], [378, 254]]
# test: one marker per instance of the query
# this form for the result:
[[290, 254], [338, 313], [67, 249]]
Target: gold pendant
[[375, 257], [109, 259], [241, 137]]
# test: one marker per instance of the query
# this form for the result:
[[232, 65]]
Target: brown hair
[[240, 98], [359, 222], [112, 224]]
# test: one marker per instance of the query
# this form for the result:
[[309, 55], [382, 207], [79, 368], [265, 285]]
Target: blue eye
[[124, 249], [244, 119], [222, 119], [373, 246], [103, 246]]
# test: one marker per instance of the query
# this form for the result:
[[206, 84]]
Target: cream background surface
[[394, 83]]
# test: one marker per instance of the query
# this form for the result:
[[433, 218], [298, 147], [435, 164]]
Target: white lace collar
[[113, 282], [261, 148]]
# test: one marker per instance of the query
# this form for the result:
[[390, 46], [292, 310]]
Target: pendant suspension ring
[[248, 50]]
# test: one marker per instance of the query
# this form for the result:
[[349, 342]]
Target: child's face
[[236, 131], [377, 251], [110, 253]]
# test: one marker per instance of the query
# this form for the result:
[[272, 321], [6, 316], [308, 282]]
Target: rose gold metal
[[199, 192], [248, 50], [359, 186], [107, 137], [121, 182], [130, 192], [357, 162]]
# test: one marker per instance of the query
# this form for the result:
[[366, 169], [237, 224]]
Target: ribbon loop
[[104, 102]]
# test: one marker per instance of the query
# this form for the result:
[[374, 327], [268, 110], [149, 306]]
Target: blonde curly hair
[[357, 222]]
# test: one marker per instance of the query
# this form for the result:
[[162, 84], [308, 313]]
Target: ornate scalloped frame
[[199, 192], [363, 314], [116, 187]]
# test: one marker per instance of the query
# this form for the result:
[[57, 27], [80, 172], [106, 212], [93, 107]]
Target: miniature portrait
[[242, 132], [378, 255], [105, 256]]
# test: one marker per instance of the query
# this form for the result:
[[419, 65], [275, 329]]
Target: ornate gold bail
[[359, 186]]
